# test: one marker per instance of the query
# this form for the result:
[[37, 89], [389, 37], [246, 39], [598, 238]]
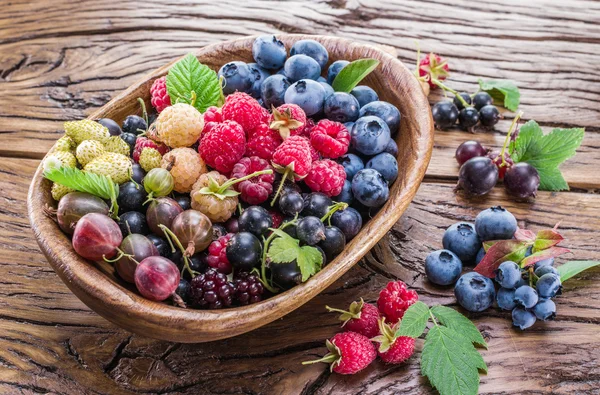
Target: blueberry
[[348, 221], [349, 125], [392, 148], [113, 128], [480, 255], [291, 203], [495, 223], [370, 135], [364, 94], [307, 94], [281, 71], [384, 110], [272, 90], [545, 310], [322, 79], [134, 124], [341, 107], [334, 242], [489, 116], [522, 318], [269, 52], [482, 99], [346, 195], [352, 164], [549, 285], [310, 230], [468, 117], [316, 204], [385, 164], [133, 222], [506, 299], [334, 69], [137, 173], [444, 114], [462, 240], [545, 262], [260, 75], [243, 251], [458, 103], [238, 77], [540, 271], [508, 274], [442, 267], [474, 292], [130, 139], [256, 220], [328, 89], [162, 245], [131, 197], [312, 49], [370, 188], [526, 296], [302, 67]]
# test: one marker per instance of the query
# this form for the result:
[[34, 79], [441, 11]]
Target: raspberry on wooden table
[[394, 299], [349, 353]]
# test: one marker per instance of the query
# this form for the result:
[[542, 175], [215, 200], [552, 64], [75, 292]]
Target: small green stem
[[229, 183], [507, 139], [446, 88], [433, 318], [332, 209], [144, 112], [193, 99], [170, 237], [283, 179], [263, 261], [417, 73]]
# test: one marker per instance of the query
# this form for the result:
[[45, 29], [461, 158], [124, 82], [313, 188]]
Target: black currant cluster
[[468, 110]]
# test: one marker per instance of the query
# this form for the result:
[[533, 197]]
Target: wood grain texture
[[51, 342]]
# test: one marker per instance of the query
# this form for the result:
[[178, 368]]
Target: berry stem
[[263, 261], [170, 237], [507, 139], [332, 209], [432, 317], [193, 99], [144, 112], [229, 183], [328, 358], [283, 179], [446, 88], [121, 255], [114, 206]]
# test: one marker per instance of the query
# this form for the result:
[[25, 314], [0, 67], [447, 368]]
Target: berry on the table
[[243, 251], [370, 188], [158, 94], [523, 318], [474, 292], [211, 290], [360, 317], [394, 300], [242, 109], [386, 165], [269, 52], [263, 142], [540, 271], [255, 190], [549, 285], [478, 176], [310, 230], [545, 310], [341, 107], [272, 91], [212, 194], [96, 236], [349, 353], [480, 256], [156, 278], [443, 267], [467, 150], [288, 120], [434, 67], [495, 223], [237, 77], [179, 125], [352, 164], [526, 296], [489, 115], [468, 117], [248, 288], [370, 135], [134, 124], [301, 67], [506, 299], [508, 274], [462, 239], [186, 166], [223, 146], [308, 94], [348, 221], [311, 48], [334, 69], [385, 111], [331, 139], [522, 180], [217, 254], [465, 96], [445, 114], [326, 176], [364, 94], [482, 99], [392, 348]]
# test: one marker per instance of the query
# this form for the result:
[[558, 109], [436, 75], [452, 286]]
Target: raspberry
[[394, 299], [349, 353], [330, 138], [185, 165], [277, 218], [212, 114], [255, 190], [293, 155], [361, 318], [150, 159], [211, 290], [288, 120], [433, 67], [248, 288], [216, 206], [179, 125], [310, 124], [144, 142], [243, 109], [393, 349], [217, 257], [223, 146], [326, 176], [159, 97], [314, 154], [263, 142]]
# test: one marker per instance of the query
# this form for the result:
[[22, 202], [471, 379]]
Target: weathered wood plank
[[51, 342]]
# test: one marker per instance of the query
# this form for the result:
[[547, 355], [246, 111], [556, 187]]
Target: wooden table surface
[[60, 60]]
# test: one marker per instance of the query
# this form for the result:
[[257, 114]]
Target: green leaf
[[502, 91], [461, 324], [546, 152], [451, 362], [353, 73], [414, 320], [285, 248], [191, 82], [573, 268], [309, 261]]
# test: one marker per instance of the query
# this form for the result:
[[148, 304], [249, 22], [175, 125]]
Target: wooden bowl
[[95, 283]]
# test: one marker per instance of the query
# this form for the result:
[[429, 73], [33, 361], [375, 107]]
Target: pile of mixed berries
[[527, 292], [201, 195]]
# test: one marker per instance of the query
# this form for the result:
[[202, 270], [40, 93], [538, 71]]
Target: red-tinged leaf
[[502, 251], [551, 252], [547, 238], [488, 244], [525, 235]]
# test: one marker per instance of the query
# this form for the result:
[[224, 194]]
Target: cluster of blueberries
[[276, 78], [463, 247], [479, 109]]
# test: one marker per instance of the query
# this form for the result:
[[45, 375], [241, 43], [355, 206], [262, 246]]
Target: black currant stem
[[332, 209], [453, 91], [170, 237], [144, 112], [283, 179], [510, 132], [263, 261]]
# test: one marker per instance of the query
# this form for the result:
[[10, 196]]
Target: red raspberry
[[393, 349], [314, 154], [263, 142], [394, 299], [223, 146], [277, 218], [208, 126], [349, 353], [326, 176], [144, 142], [212, 114], [361, 318], [310, 124], [330, 138], [243, 109], [159, 97], [288, 120], [293, 156], [434, 67], [255, 190], [217, 257]]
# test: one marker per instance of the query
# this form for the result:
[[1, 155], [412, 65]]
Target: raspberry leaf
[[461, 324], [502, 251], [285, 248], [353, 73], [310, 261], [502, 91], [546, 238], [414, 320], [191, 82], [551, 252], [546, 152], [573, 268]]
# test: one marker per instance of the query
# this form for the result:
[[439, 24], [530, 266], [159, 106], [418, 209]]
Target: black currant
[[478, 175], [133, 222], [130, 139], [286, 275], [444, 114], [316, 204], [132, 197], [310, 230], [113, 128], [134, 124], [256, 220], [244, 251], [466, 97], [137, 173], [291, 203], [334, 242], [468, 117], [349, 221], [482, 99], [162, 245], [467, 150], [489, 115], [522, 180]]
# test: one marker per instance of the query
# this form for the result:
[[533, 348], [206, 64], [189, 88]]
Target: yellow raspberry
[[88, 150], [185, 165], [150, 159], [115, 166], [65, 143], [86, 129], [216, 208], [179, 125], [117, 145], [58, 191]]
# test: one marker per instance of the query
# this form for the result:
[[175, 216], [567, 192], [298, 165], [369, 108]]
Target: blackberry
[[248, 288], [211, 290]]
